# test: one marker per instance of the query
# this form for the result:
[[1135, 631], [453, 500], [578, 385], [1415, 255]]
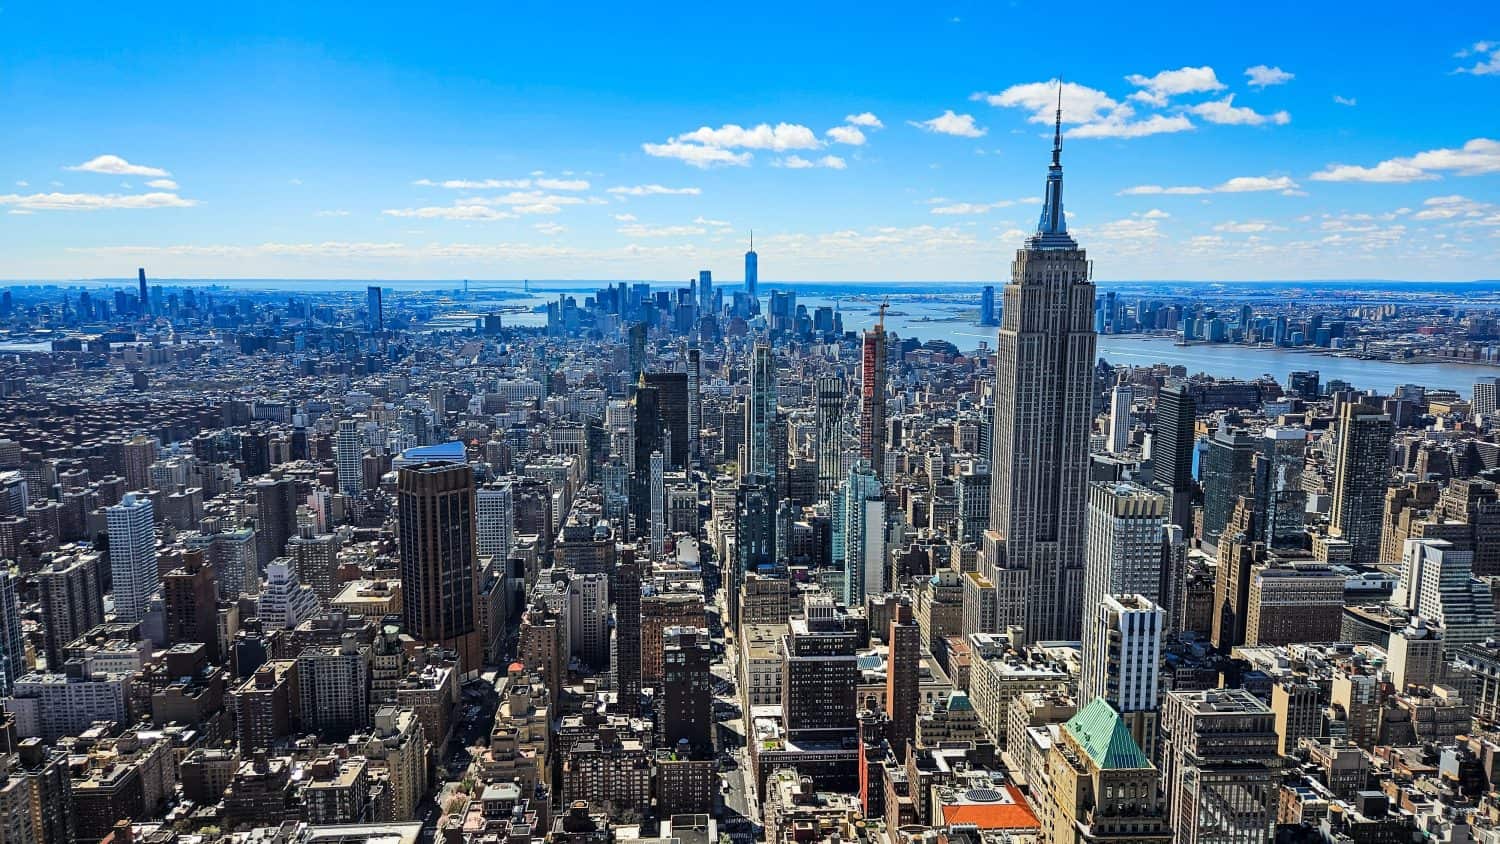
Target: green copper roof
[[1105, 738]]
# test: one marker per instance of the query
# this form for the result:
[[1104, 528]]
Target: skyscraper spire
[[1052, 228]]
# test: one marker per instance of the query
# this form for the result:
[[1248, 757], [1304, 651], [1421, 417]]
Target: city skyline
[[305, 145]]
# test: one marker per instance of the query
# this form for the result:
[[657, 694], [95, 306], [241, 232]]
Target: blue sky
[[860, 141]]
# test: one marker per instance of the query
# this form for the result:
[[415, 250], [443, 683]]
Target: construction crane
[[883, 305]]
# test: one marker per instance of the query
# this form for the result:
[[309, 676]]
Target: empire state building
[[1033, 553]]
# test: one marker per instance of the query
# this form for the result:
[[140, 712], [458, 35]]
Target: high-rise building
[[859, 534], [673, 401], [819, 670], [687, 698], [1103, 785], [903, 677], [1486, 400], [1361, 472], [71, 601], [1121, 658], [705, 291], [376, 309], [284, 601], [1438, 583], [1172, 446], [830, 437], [872, 376], [1279, 496], [1221, 765], [496, 519], [1228, 476], [647, 438], [347, 457], [752, 269], [315, 556], [1043, 417], [12, 644], [190, 600], [695, 403], [658, 505], [627, 599], [145, 298], [275, 516], [588, 619], [439, 569], [132, 556], [1125, 522], [987, 305], [1120, 399], [760, 413]]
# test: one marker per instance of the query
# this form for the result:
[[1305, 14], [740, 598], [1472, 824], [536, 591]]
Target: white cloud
[[334, 212], [94, 201], [652, 190], [114, 165], [506, 184], [696, 155], [1478, 156], [833, 162], [1453, 207], [778, 138], [1248, 227], [294, 181], [706, 222], [1119, 125], [643, 230], [865, 119], [465, 212], [797, 162], [1156, 214], [1262, 76], [948, 123], [846, 135], [22, 183], [1345, 101], [550, 228], [1168, 83], [1080, 103], [967, 208], [162, 184], [624, 218], [1238, 184], [1226, 112], [1488, 55]]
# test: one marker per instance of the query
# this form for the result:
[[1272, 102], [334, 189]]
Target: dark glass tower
[[1043, 415], [439, 567]]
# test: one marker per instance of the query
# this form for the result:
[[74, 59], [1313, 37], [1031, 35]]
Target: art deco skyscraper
[[439, 570], [1043, 415]]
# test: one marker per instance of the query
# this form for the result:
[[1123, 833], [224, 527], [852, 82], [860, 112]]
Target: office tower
[[752, 269], [190, 601], [627, 600], [1290, 603], [275, 516], [1438, 583], [1120, 399], [132, 556], [872, 377], [588, 619], [1123, 555], [376, 309], [687, 699], [1221, 766], [439, 572], [1279, 494], [347, 457], [1121, 655], [695, 404], [1228, 476], [1103, 785], [1304, 383], [658, 505], [1361, 471], [647, 438], [284, 601], [496, 519], [1043, 416], [1172, 446], [1486, 397], [760, 414], [819, 671], [12, 644], [831, 392], [672, 405], [1415, 655], [903, 677], [145, 303], [859, 534], [987, 305], [71, 601], [705, 291]]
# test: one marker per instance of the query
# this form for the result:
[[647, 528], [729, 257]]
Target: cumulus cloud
[[114, 165], [652, 190], [846, 135], [506, 184], [550, 228], [643, 230], [1120, 125], [1226, 112], [696, 154], [948, 123], [707, 146], [1080, 103], [94, 201], [967, 208], [797, 162], [1168, 83], [1487, 54], [1248, 227], [162, 184], [1476, 157], [1238, 184], [457, 211], [865, 119], [1262, 76]]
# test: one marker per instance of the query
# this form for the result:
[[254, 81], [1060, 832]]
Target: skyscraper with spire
[[1034, 549], [752, 268]]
